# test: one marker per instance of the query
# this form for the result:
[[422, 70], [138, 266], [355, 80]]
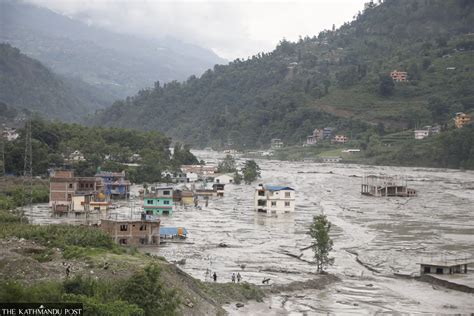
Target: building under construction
[[385, 186]]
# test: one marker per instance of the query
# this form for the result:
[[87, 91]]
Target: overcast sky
[[232, 29]]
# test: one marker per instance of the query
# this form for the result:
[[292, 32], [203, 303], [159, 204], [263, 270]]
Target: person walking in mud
[[214, 276], [68, 270], [239, 277], [233, 278]]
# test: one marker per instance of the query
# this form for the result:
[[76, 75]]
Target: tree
[[386, 86], [227, 165], [237, 177], [322, 243], [251, 171], [146, 289]]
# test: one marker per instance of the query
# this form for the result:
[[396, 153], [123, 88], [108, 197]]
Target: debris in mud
[[223, 245], [239, 305], [189, 303]]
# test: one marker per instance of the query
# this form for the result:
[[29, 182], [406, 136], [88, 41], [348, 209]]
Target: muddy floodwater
[[373, 238]]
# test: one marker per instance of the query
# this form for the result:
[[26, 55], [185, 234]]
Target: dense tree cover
[[338, 78], [250, 171], [107, 148], [322, 242], [27, 85], [451, 149]]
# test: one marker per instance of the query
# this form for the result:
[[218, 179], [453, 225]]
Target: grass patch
[[224, 292]]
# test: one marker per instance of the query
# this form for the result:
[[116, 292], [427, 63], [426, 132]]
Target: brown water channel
[[386, 235]]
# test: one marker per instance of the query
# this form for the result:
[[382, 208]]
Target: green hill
[[28, 86], [339, 78], [116, 63]]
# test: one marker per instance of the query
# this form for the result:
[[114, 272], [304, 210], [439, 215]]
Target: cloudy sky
[[233, 29]]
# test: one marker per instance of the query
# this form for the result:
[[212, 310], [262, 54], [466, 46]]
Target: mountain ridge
[[287, 93]]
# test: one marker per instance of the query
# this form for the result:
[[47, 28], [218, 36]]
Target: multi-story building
[[399, 76], [62, 187], [272, 199], [159, 202], [276, 143], [461, 119], [314, 138], [341, 139], [115, 185], [133, 232]]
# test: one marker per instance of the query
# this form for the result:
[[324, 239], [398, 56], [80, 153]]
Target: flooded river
[[386, 236]]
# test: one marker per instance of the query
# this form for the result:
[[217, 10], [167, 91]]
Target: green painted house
[[159, 202]]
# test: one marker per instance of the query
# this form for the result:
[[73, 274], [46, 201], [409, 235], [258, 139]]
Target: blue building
[[115, 185]]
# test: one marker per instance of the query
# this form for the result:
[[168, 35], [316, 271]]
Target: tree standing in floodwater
[[322, 243]]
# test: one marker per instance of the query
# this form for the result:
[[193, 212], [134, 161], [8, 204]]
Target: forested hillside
[[116, 63], [339, 78], [28, 86]]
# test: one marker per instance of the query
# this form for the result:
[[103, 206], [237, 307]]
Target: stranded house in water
[[272, 199], [385, 186]]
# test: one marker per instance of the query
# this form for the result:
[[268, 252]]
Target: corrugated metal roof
[[277, 188]]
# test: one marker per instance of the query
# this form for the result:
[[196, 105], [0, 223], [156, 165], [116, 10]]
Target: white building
[[191, 177], [274, 199], [421, 133], [224, 179]]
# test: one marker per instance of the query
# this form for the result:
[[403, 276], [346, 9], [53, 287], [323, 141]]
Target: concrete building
[[77, 194], [421, 133], [274, 199], [224, 179], [315, 137], [62, 187], [399, 76], [461, 119], [342, 139], [10, 134], [445, 267], [133, 232], [159, 202], [276, 143], [331, 159], [115, 185], [385, 186]]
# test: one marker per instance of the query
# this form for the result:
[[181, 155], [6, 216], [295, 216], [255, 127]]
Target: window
[[142, 227], [166, 193], [287, 204], [70, 185], [149, 202], [166, 202], [274, 203], [123, 228], [287, 194], [69, 196], [81, 185], [123, 241], [261, 193], [96, 208], [142, 241], [149, 212]]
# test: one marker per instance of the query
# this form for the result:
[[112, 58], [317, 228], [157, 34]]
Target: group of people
[[234, 277]]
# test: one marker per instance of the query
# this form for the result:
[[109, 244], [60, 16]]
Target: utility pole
[[27, 169], [2, 153]]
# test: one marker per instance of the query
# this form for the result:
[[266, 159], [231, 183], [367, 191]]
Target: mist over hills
[[28, 87], [119, 64], [339, 78]]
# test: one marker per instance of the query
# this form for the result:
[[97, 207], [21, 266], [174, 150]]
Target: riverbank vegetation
[[143, 155], [453, 148]]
